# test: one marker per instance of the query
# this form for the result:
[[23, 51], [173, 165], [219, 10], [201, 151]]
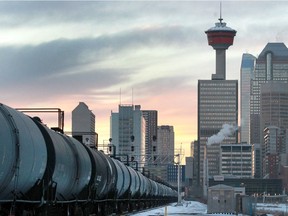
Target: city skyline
[[57, 54]]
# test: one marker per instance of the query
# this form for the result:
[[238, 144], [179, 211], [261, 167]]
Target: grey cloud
[[51, 12], [154, 36], [39, 13], [57, 65], [30, 62], [54, 68], [123, 12], [83, 83], [23, 13]]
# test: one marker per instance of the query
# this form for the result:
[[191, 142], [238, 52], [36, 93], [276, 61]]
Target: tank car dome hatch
[[37, 118]]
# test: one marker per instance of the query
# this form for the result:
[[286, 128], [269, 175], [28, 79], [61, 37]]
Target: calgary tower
[[220, 37]]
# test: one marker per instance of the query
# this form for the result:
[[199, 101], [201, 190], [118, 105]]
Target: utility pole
[[179, 203]]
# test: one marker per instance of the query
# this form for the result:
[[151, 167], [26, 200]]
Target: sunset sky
[[56, 54]]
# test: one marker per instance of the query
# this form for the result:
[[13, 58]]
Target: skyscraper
[[83, 125], [127, 129], [271, 64], [217, 101], [217, 105], [274, 114], [247, 72]]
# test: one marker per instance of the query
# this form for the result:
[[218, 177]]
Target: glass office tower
[[247, 73]]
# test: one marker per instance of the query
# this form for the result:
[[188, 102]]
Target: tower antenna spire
[[132, 97], [220, 19], [120, 95]]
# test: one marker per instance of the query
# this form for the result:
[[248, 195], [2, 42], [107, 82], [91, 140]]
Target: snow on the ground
[[187, 208], [273, 207], [197, 208]]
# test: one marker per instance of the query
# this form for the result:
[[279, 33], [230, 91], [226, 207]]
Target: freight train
[[44, 172]]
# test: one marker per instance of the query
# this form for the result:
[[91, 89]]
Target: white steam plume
[[226, 131]]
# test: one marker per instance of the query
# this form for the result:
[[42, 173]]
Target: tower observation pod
[[220, 37]]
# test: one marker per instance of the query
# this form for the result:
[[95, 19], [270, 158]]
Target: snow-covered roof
[[220, 26], [221, 186]]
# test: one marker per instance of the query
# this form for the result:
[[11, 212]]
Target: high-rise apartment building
[[271, 65], [217, 101], [127, 129], [162, 153], [151, 124], [165, 145], [83, 125], [247, 73]]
